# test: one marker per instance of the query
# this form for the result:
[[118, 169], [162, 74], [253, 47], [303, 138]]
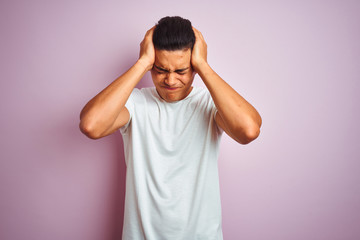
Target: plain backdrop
[[297, 62]]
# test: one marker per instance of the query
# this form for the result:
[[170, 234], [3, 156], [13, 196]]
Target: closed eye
[[160, 72]]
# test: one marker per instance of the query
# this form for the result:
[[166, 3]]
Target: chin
[[172, 95]]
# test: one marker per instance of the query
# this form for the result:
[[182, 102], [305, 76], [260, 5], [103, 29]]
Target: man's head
[[173, 33], [172, 73]]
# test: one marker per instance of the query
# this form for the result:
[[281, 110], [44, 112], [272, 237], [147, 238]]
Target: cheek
[[155, 77], [188, 78]]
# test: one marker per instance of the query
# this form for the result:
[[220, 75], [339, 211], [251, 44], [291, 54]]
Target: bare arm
[[106, 112], [238, 118]]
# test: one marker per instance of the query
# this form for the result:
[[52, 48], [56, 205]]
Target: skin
[[173, 74]]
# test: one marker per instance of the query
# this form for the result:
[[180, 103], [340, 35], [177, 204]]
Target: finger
[[200, 35], [150, 31], [197, 33]]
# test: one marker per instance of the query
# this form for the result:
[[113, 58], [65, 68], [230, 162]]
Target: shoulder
[[200, 100], [202, 96], [141, 94], [199, 93]]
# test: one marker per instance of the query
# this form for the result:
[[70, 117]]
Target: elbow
[[249, 135], [88, 131], [252, 134]]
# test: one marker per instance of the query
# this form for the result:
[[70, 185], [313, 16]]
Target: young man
[[171, 134]]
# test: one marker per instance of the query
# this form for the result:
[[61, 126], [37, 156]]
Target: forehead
[[173, 60]]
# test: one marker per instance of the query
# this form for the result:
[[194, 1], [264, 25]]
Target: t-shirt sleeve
[[130, 105]]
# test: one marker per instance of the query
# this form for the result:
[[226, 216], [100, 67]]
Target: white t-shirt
[[171, 154]]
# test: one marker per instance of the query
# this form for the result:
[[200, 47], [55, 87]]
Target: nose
[[170, 79]]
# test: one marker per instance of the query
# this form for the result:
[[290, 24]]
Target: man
[[171, 134]]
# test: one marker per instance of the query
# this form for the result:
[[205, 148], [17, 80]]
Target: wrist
[[202, 67], [145, 64]]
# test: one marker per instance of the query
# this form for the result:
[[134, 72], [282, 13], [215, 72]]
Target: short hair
[[173, 33]]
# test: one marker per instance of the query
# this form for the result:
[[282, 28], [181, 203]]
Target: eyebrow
[[165, 70]]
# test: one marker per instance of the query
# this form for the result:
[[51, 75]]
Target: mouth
[[171, 88]]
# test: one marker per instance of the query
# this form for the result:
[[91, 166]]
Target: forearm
[[239, 116], [102, 110]]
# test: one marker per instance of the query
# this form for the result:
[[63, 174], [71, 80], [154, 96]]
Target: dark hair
[[173, 33]]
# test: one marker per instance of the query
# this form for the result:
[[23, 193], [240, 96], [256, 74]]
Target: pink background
[[297, 62]]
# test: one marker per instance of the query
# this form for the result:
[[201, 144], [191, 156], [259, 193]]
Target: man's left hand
[[199, 52]]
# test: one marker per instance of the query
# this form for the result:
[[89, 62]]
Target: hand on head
[[199, 52], [147, 50]]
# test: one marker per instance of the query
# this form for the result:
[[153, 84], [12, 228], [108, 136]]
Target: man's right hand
[[147, 50]]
